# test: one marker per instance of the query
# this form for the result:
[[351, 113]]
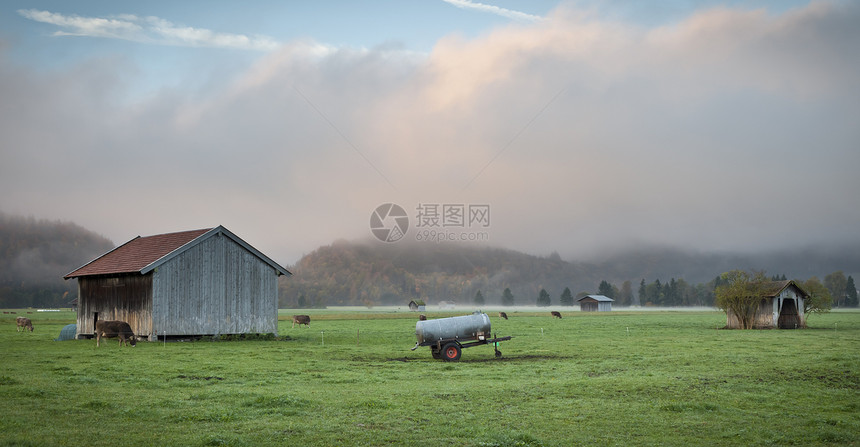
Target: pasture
[[620, 378]]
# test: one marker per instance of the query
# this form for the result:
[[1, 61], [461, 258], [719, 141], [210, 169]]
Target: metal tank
[[447, 337], [465, 328]]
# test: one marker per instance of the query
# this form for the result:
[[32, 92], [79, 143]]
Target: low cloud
[[730, 130]]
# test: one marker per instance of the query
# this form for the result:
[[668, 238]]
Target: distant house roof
[[417, 302], [144, 254], [597, 298]]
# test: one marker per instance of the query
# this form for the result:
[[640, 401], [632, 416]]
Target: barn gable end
[[200, 282], [214, 287]]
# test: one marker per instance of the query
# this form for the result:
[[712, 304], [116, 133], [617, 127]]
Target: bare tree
[[739, 295]]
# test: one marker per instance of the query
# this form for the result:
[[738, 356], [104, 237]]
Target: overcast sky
[[581, 126]]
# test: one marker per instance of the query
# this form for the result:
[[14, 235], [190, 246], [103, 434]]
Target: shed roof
[[597, 298], [144, 254], [774, 288]]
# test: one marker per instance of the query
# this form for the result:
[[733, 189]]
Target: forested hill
[[35, 254], [352, 273], [356, 273]]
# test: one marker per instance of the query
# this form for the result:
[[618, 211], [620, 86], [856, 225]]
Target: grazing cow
[[113, 328], [556, 314], [422, 317], [301, 319], [503, 315], [24, 323]]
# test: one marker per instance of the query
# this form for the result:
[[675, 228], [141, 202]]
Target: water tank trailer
[[447, 337]]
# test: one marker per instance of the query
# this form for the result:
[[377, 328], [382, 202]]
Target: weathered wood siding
[[123, 297], [215, 287], [763, 316], [592, 305]]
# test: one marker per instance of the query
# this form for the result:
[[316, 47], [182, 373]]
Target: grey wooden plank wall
[[215, 287]]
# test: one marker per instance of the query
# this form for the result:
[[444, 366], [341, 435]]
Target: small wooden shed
[[780, 306], [595, 303], [417, 306], [199, 282]]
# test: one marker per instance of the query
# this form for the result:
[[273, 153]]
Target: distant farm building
[[200, 282], [780, 306], [417, 306], [595, 303]]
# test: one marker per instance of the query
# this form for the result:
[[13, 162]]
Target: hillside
[[35, 254], [357, 273], [351, 273]]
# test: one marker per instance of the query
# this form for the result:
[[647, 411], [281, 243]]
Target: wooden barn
[[595, 303], [417, 306], [780, 306], [199, 282]]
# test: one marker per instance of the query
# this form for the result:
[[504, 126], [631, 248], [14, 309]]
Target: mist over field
[[35, 254]]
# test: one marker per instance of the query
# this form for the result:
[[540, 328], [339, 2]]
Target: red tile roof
[[137, 253]]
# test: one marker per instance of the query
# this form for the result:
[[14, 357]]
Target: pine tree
[[657, 295], [605, 289], [566, 298], [543, 299], [479, 298], [507, 297], [850, 293], [671, 292]]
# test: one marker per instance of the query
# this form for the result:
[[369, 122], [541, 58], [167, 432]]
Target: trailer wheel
[[451, 352], [437, 354]]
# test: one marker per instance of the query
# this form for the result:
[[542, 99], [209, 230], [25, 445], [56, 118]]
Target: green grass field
[[620, 378]]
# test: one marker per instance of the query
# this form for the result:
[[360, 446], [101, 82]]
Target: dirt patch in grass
[[183, 376]]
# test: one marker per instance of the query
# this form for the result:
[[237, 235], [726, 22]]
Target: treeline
[[674, 293], [367, 274], [347, 273], [35, 254]]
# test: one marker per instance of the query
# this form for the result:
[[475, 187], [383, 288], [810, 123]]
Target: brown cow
[[114, 328], [23, 323], [503, 315], [301, 319], [556, 314]]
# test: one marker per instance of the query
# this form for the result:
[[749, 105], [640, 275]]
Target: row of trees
[[543, 299], [836, 290]]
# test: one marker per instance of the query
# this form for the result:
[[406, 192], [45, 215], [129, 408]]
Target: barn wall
[[763, 316], [214, 287], [121, 297]]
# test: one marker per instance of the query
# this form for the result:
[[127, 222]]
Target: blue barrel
[[465, 328], [67, 332]]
